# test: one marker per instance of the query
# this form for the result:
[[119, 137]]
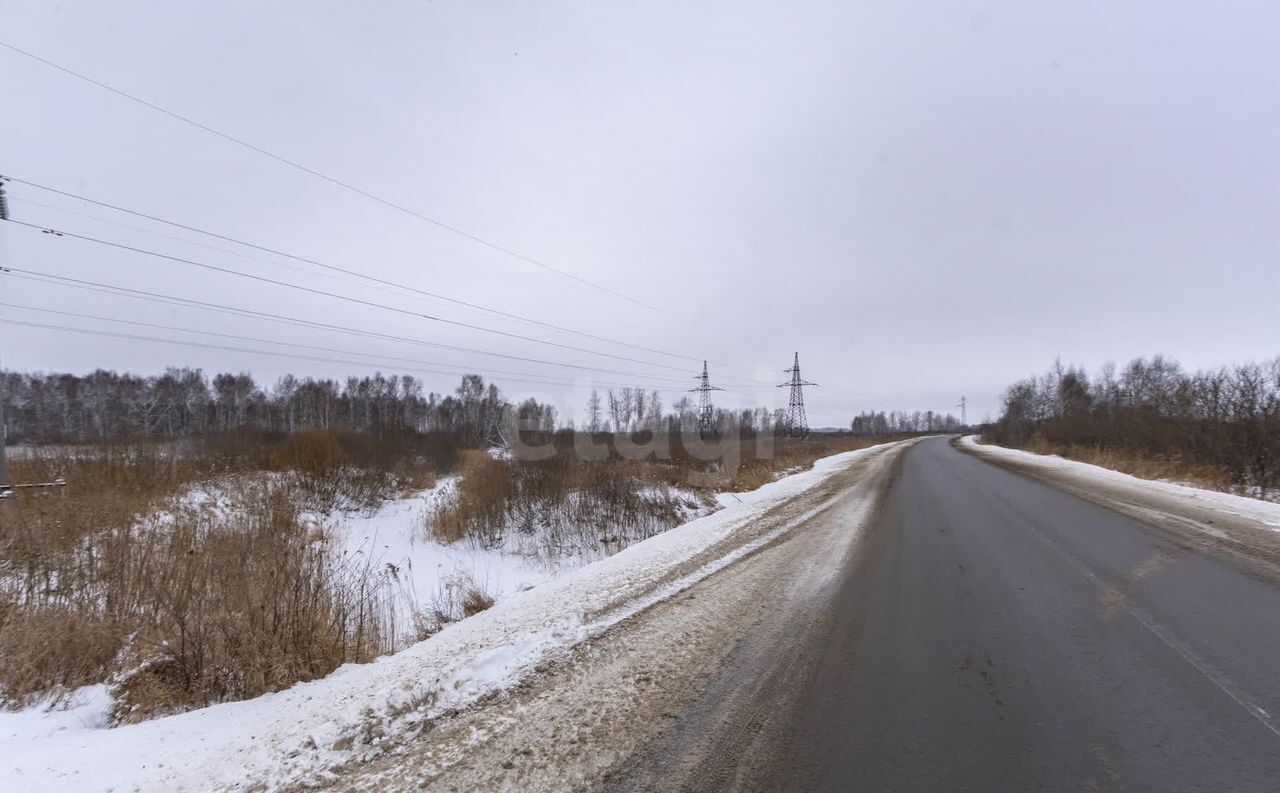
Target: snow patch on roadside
[[296, 733], [1263, 512], [85, 708]]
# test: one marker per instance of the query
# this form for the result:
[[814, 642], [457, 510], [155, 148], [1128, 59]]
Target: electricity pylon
[[963, 404], [797, 424], [706, 411]]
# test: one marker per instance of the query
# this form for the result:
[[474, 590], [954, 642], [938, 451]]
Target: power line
[[237, 311], [79, 283], [797, 421], [122, 291], [344, 185], [258, 340], [369, 303], [706, 410], [356, 190], [251, 351], [228, 251], [334, 295], [324, 265]]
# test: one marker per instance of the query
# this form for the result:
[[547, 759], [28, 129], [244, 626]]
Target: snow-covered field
[[425, 570], [1264, 513], [394, 535], [294, 733]]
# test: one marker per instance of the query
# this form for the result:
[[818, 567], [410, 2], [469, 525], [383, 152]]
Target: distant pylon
[[706, 411], [963, 404], [796, 423]]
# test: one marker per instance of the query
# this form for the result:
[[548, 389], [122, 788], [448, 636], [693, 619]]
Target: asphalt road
[[991, 634], [617, 698]]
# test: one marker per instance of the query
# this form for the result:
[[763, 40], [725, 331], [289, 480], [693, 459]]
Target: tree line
[[900, 422], [62, 407], [635, 410], [182, 402], [1228, 417]]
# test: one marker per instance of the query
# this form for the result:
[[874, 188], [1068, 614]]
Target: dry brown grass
[[481, 501], [117, 577], [52, 650], [563, 505], [568, 505], [243, 604], [793, 455], [458, 597], [1173, 469]]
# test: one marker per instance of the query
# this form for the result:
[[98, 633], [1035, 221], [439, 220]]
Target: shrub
[[565, 505], [244, 605]]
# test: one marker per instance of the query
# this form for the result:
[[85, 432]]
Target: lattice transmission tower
[[706, 411], [796, 423]]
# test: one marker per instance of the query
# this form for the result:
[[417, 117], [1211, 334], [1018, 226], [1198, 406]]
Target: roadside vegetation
[[1217, 428], [192, 559], [597, 493], [179, 601]]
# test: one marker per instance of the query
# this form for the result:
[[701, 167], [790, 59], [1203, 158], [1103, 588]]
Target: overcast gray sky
[[924, 199]]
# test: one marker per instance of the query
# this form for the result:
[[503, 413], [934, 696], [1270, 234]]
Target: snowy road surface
[[974, 630]]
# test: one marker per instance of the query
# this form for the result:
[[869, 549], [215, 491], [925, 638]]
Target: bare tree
[[593, 411]]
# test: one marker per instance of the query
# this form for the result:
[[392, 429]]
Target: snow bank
[[83, 709], [290, 734], [1263, 512]]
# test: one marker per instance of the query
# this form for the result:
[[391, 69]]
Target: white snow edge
[[1263, 512], [294, 734]]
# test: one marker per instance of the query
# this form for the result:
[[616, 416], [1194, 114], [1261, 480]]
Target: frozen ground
[[299, 732]]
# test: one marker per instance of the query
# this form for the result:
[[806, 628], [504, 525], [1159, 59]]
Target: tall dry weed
[[119, 576]]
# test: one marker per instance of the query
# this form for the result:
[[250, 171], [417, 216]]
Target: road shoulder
[[1243, 532]]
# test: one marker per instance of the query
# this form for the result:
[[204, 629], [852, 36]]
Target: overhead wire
[[356, 353], [524, 377], [252, 351], [184, 240], [337, 182], [79, 283], [336, 296], [332, 180], [336, 268], [169, 299]]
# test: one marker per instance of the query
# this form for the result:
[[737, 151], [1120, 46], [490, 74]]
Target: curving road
[[992, 633]]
